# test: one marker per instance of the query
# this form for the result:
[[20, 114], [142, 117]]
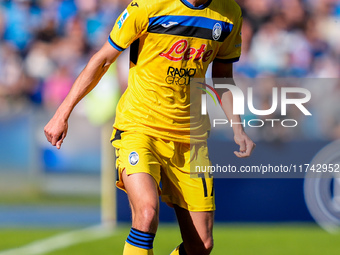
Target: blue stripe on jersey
[[114, 45], [189, 21]]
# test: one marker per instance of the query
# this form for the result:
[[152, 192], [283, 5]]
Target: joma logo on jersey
[[179, 76], [181, 51]]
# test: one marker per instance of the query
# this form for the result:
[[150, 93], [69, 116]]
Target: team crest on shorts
[[133, 158], [217, 31]]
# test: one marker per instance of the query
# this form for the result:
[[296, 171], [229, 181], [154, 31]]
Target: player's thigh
[[182, 186], [142, 191], [196, 229], [134, 152], [139, 176]]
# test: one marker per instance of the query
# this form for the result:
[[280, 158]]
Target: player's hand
[[56, 131], [246, 145]]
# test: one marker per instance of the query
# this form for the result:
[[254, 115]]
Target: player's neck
[[197, 3]]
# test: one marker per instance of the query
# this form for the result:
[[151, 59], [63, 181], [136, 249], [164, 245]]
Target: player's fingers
[[250, 148], [61, 140], [48, 136], [239, 154], [59, 143], [54, 140], [242, 146], [57, 137]]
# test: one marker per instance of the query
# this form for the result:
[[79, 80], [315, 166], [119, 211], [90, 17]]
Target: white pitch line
[[61, 241]]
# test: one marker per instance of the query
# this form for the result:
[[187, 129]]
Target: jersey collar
[[201, 7]]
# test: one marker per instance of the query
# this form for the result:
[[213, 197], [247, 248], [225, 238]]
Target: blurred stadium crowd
[[44, 44]]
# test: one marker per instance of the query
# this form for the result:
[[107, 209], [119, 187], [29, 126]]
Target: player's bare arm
[[225, 70], [56, 128]]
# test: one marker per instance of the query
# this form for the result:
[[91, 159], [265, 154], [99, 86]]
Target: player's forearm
[[88, 79], [227, 106], [85, 82], [225, 70]]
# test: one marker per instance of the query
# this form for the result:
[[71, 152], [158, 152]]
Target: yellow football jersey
[[171, 42]]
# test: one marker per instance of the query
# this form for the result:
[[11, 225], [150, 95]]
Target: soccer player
[[155, 134]]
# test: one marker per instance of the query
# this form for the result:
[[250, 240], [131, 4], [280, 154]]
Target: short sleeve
[[230, 50], [130, 25]]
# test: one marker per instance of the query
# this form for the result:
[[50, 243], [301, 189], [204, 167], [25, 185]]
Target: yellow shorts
[[169, 164]]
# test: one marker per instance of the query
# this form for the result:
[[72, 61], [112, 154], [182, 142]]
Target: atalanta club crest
[[133, 158], [217, 31]]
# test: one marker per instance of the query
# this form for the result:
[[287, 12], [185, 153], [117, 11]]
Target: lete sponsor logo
[[180, 50]]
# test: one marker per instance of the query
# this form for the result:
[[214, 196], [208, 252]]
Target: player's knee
[[149, 214], [208, 245], [204, 248], [147, 217]]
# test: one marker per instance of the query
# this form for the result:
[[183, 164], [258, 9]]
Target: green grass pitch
[[229, 239]]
